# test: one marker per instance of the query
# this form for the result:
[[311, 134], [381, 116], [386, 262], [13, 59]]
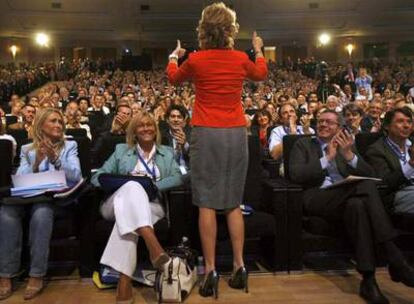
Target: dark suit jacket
[[305, 167], [104, 147], [366, 124], [167, 140], [387, 166]]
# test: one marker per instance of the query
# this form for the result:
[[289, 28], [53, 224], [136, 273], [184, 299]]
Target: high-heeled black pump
[[210, 285], [239, 279]]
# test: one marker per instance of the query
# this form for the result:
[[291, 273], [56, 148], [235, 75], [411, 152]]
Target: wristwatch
[[56, 163], [173, 56]]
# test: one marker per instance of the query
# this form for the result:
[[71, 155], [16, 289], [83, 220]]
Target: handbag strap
[[170, 272]]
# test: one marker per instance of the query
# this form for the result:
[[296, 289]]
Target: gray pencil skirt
[[218, 160]]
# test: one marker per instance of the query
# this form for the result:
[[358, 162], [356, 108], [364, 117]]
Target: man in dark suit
[[372, 122], [317, 164], [176, 134], [105, 143], [392, 158]]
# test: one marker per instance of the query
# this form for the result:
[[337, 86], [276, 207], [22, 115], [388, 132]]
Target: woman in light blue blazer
[[130, 206], [48, 152]]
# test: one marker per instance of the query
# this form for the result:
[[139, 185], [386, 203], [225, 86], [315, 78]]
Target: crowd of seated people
[[22, 79], [377, 96]]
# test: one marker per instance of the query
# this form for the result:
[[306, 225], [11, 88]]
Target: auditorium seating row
[[278, 233]]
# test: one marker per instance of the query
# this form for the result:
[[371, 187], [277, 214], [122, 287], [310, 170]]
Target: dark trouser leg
[[381, 225], [358, 227]]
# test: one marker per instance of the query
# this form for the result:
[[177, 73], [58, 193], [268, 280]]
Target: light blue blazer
[[68, 157], [124, 160]]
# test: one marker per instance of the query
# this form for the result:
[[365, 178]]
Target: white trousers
[[131, 209]]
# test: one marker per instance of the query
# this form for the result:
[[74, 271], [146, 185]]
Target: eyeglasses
[[327, 122]]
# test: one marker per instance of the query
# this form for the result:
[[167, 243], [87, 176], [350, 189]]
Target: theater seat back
[[288, 142], [364, 140], [6, 150]]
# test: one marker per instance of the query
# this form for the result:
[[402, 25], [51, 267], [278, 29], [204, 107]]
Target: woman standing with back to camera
[[218, 151]]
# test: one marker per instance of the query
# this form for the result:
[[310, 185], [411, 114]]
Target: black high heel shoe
[[210, 285], [239, 279]]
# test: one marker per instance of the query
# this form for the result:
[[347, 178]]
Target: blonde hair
[[217, 27], [131, 137], [39, 120]]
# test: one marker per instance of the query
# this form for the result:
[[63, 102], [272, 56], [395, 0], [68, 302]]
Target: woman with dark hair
[[262, 120], [218, 149], [352, 115]]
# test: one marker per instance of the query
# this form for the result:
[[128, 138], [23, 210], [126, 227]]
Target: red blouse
[[218, 76]]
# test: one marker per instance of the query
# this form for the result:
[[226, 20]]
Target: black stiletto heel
[[210, 285], [239, 279]]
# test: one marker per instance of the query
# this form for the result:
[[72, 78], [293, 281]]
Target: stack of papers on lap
[[352, 179], [33, 184]]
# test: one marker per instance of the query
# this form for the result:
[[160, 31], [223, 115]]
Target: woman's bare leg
[[235, 224], [124, 290], [154, 247], [207, 225]]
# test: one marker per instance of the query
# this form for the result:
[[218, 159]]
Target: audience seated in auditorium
[[48, 152], [393, 160], [129, 206], [18, 81], [317, 163]]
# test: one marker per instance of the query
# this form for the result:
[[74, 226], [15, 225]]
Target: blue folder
[[112, 182]]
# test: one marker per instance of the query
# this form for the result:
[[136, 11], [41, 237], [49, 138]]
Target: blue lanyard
[[151, 172], [401, 155], [287, 130]]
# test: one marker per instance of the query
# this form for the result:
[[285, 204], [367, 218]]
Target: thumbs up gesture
[[257, 42], [178, 50]]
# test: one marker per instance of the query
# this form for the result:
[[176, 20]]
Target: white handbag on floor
[[178, 277]]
